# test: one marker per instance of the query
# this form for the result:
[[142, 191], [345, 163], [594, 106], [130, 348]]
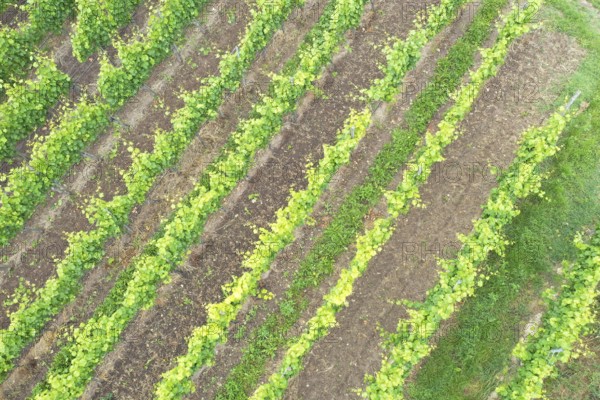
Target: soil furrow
[[406, 268]]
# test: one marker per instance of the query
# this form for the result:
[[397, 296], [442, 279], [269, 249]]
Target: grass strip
[[458, 277]]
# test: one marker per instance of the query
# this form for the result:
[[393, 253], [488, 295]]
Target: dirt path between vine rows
[[454, 194]]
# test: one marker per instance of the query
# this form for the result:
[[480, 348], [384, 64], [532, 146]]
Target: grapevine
[[28, 185], [17, 44], [28, 102], [569, 315], [459, 276], [85, 249], [97, 22]]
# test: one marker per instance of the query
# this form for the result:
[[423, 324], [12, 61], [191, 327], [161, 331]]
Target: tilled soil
[[453, 195], [158, 335]]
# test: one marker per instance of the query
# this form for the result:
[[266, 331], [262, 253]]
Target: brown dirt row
[[278, 280], [32, 253], [406, 268], [173, 185], [158, 335]]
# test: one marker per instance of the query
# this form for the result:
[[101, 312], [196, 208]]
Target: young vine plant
[[569, 316], [97, 22], [28, 102]]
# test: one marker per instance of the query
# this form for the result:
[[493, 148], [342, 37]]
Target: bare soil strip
[[406, 268]]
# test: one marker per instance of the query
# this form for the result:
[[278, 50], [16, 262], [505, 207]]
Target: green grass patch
[[348, 221], [595, 3], [475, 350]]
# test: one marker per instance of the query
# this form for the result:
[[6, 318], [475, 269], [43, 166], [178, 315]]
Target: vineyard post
[[573, 99]]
